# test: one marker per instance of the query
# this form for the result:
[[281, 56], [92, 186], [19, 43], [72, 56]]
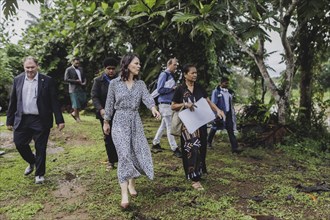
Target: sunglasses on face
[[111, 68]]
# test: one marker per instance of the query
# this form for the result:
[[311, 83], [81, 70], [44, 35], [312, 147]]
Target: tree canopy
[[214, 35]]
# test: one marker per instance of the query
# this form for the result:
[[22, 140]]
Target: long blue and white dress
[[134, 156]]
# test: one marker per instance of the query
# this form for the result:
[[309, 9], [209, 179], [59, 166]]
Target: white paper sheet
[[202, 115]]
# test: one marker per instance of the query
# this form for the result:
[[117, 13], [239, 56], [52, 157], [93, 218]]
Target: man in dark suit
[[99, 96], [75, 76], [30, 114]]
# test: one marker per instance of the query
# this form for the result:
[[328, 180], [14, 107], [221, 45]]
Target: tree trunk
[[281, 96], [283, 109], [306, 65], [305, 109], [264, 90]]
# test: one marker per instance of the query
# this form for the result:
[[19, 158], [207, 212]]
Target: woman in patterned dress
[[193, 146], [124, 96]]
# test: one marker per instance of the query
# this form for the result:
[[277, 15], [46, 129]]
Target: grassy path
[[254, 185]]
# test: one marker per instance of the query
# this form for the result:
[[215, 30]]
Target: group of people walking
[[117, 98]]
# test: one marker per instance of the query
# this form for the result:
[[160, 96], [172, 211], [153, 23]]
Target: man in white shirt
[[33, 102]]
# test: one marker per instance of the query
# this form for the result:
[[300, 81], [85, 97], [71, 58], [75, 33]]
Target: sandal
[[74, 117], [198, 186], [110, 166]]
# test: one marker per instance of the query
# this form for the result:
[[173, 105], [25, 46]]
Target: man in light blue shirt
[[222, 97], [165, 88]]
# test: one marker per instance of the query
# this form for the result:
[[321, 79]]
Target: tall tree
[[93, 29], [313, 20], [185, 29], [249, 22], [204, 32], [10, 63]]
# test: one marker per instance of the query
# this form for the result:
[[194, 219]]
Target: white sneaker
[[29, 169], [40, 179]]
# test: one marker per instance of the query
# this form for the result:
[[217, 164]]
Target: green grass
[[78, 186]]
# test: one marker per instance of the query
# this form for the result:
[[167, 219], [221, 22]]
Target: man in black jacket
[[74, 75], [33, 101], [99, 95]]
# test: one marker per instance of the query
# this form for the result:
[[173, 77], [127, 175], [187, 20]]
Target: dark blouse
[[183, 93]]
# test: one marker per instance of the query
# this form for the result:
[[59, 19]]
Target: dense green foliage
[[220, 37], [94, 30], [10, 63]]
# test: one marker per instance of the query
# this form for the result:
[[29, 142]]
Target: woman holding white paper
[[193, 146]]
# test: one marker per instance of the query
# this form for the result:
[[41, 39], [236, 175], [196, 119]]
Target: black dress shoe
[[156, 148], [177, 153], [237, 151]]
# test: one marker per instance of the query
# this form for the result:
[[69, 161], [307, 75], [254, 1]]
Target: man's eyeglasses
[[111, 68]]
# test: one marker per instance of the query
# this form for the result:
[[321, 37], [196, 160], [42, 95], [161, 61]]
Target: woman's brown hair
[[125, 61]]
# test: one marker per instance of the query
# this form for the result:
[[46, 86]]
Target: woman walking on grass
[[124, 96], [193, 146]]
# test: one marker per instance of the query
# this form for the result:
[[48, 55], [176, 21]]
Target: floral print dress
[[134, 156]]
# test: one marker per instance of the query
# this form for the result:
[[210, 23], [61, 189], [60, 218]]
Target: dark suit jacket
[[71, 76], [46, 101], [99, 94]]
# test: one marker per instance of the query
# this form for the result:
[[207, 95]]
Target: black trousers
[[203, 139], [230, 130], [109, 146], [31, 128]]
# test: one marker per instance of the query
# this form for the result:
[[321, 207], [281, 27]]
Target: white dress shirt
[[78, 73]]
